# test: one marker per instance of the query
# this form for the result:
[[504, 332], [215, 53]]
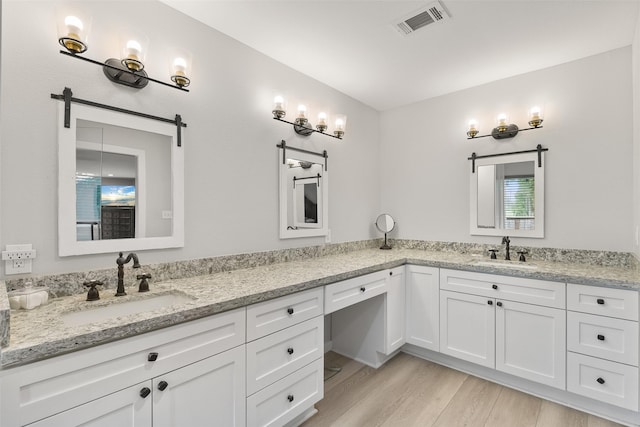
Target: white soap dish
[[28, 298]]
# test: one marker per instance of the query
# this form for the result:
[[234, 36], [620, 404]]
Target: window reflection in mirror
[[303, 195], [507, 196]]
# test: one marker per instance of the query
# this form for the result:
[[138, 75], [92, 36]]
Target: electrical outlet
[[18, 259]]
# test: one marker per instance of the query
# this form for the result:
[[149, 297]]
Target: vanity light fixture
[[301, 123], [129, 70], [504, 129]]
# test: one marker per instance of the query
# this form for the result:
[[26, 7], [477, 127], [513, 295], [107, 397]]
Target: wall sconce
[[301, 123], [504, 129], [129, 71]]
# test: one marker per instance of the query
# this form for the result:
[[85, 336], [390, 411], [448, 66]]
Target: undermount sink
[[506, 264], [125, 308]]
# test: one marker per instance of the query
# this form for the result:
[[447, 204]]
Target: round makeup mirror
[[385, 224]]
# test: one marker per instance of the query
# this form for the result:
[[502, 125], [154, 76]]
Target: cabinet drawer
[[278, 355], [604, 337], [38, 390], [620, 303], [530, 291], [348, 292], [288, 398], [270, 316], [609, 382]]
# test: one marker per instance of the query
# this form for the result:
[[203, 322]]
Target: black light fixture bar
[[67, 97], [123, 70], [285, 147], [507, 132], [303, 130], [538, 150]]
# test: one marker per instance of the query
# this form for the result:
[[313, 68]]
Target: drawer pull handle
[[146, 391], [499, 304], [290, 350], [290, 398], [290, 310], [490, 302], [152, 357], [601, 337], [600, 301], [600, 380], [362, 289], [494, 286], [162, 385]]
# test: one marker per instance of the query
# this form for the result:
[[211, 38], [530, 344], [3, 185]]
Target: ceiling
[[352, 45]]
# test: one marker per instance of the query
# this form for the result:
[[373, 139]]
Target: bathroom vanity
[[250, 342]]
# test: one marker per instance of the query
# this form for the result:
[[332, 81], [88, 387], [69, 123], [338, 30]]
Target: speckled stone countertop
[[43, 332]]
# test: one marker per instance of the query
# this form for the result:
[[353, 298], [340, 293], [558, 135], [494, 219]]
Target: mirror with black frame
[[120, 183], [507, 196], [304, 184]]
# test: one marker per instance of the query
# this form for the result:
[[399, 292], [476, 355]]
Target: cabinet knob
[[162, 385], [290, 350], [362, 289], [290, 398], [600, 301], [490, 302], [146, 391], [499, 304], [600, 380], [494, 286], [152, 357], [601, 337], [290, 310], [391, 273]]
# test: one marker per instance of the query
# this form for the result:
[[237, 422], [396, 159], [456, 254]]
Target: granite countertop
[[43, 332]]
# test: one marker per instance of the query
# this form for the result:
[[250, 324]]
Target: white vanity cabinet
[[422, 314], [602, 344], [514, 325], [285, 354], [201, 365]]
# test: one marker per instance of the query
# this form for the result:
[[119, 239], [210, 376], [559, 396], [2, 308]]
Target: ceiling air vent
[[430, 14]]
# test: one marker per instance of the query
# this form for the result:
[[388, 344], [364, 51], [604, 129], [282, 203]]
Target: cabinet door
[[207, 393], [467, 327], [531, 342], [395, 335], [125, 408], [423, 307]]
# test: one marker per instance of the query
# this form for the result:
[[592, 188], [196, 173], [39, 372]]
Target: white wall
[[636, 137], [589, 167], [230, 144]]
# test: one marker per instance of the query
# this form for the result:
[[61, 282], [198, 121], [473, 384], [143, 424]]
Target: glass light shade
[[134, 50], [535, 117], [181, 69], [340, 125], [502, 122], [73, 29], [279, 107], [301, 118], [473, 128], [322, 122]]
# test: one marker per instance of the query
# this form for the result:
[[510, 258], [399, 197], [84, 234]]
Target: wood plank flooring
[[408, 391]]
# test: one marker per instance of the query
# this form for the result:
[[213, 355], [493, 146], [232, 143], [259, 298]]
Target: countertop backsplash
[[66, 284]]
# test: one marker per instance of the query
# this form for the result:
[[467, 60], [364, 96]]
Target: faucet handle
[[522, 254], [93, 294], [493, 253], [144, 285]]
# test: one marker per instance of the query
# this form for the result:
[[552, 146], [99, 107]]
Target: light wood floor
[[408, 391]]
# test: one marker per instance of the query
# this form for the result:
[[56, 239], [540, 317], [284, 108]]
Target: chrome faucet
[[121, 262], [506, 241]]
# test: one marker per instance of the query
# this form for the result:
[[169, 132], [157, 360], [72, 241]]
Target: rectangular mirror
[[120, 183], [507, 196], [304, 186]]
